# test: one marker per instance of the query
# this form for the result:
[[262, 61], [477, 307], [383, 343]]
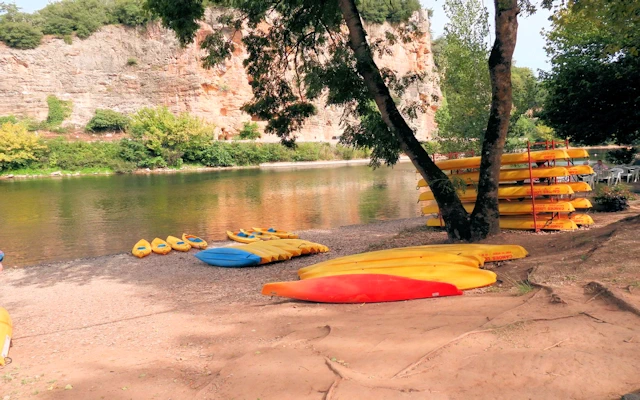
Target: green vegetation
[[394, 11], [18, 147], [66, 18], [107, 121], [249, 131], [613, 198], [59, 110], [595, 63], [132, 62], [623, 156]]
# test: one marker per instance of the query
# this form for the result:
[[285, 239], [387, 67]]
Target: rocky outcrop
[[125, 69]]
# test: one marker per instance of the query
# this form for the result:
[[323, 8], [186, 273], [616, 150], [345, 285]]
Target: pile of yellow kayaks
[[556, 204], [258, 234], [143, 248], [391, 275], [259, 252]]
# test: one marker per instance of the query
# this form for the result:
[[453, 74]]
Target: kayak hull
[[178, 244], [228, 258], [364, 288], [194, 241], [524, 223], [141, 249], [159, 246], [510, 192]]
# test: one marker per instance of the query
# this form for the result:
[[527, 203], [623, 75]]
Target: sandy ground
[[173, 328]]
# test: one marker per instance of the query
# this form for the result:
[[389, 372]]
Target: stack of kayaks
[[397, 274], [143, 248], [257, 234], [555, 202], [260, 252]]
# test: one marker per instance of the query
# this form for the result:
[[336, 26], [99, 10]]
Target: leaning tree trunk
[[455, 216], [485, 219]]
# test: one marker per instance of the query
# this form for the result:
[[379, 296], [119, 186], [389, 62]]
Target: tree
[[593, 87], [462, 62], [17, 29], [307, 36]]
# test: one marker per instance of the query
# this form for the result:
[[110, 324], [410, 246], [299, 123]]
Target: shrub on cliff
[[18, 147], [68, 16], [379, 11], [59, 110], [20, 35], [249, 131], [129, 12], [169, 136], [107, 121]]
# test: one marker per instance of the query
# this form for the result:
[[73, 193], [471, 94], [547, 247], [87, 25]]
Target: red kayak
[[360, 288]]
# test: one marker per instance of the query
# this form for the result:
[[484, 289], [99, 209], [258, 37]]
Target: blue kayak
[[1, 256], [229, 258]]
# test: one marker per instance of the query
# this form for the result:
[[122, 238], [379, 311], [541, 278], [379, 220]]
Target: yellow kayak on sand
[[510, 192], [462, 277], [382, 264], [276, 232], [141, 249], [194, 241], [523, 223], [159, 246], [508, 175], [178, 244], [6, 331], [242, 237], [259, 235], [510, 158]]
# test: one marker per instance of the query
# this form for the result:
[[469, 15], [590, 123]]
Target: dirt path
[[171, 328]]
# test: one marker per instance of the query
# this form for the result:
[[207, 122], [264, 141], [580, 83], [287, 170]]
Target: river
[[54, 219]]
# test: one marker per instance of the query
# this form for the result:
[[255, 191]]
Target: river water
[[52, 219]]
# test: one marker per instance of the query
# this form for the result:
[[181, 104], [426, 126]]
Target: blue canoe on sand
[[228, 257]]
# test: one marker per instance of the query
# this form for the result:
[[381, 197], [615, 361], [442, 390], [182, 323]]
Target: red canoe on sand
[[362, 288]]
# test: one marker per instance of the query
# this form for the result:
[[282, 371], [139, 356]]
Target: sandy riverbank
[[118, 327]]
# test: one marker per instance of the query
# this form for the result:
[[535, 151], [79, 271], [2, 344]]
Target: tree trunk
[[455, 216], [485, 219]]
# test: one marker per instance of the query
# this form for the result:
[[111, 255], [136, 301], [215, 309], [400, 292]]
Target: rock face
[[125, 69]]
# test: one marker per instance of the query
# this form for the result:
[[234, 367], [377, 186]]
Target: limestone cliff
[[124, 69]]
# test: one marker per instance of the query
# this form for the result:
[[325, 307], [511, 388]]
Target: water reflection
[[56, 219]]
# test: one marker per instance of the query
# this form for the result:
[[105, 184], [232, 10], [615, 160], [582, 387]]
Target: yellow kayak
[[508, 175], [405, 263], [524, 223], [490, 252], [141, 249], [6, 331], [580, 170], [159, 246], [513, 207], [194, 241], [462, 277], [243, 237], [577, 153], [512, 158], [276, 232], [178, 244], [510, 192], [582, 219], [259, 235], [579, 186]]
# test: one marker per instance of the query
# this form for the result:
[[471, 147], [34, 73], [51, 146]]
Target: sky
[[529, 48]]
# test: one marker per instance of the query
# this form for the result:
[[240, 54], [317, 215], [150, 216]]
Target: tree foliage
[[107, 121], [593, 87], [394, 11], [18, 147]]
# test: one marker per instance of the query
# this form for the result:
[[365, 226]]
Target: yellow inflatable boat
[[510, 192], [510, 158], [524, 223], [178, 244], [508, 175], [513, 207], [159, 246], [6, 330], [141, 249], [276, 232], [194, 241]]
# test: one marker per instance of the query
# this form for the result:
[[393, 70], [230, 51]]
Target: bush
[[622, 156], [20, 35], [216, 155], [107, 121], [131, 62], [8, 118], [59, 110], [73, 156], [249, 131], [129, 12], [82, 17], [379, 11], [613, 198], [169, 136], [18, 147]]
